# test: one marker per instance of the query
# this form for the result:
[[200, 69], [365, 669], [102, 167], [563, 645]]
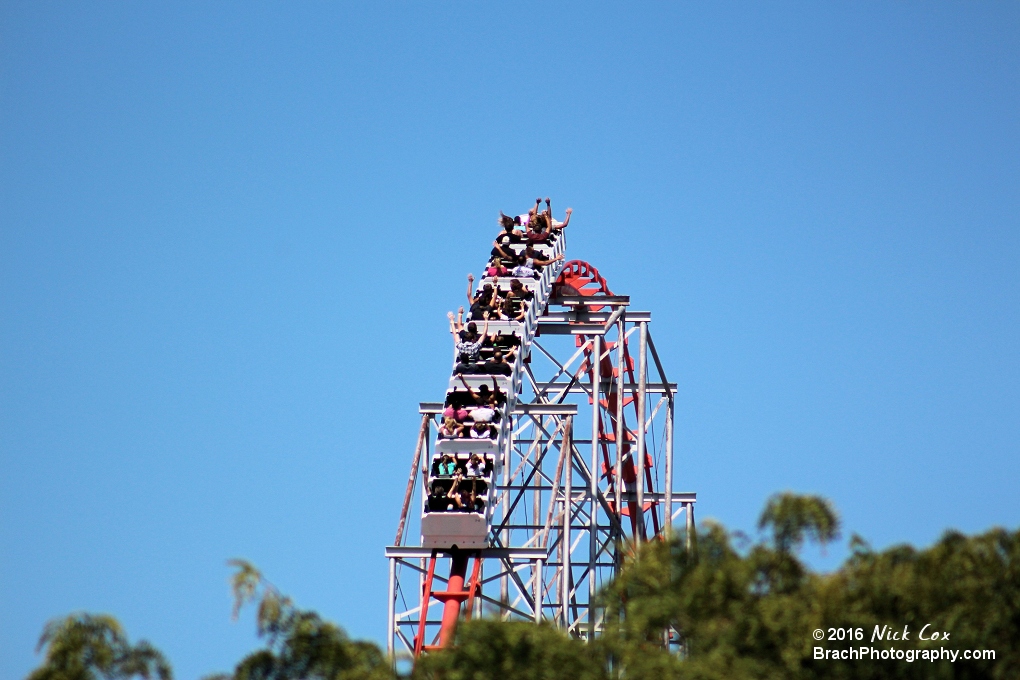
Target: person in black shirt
[[507, 342], [511, 310], [498, 365], [439, 501], [518, 290], [509, 225], [484, 302], [467, 366], [501, 248], [484, 396]]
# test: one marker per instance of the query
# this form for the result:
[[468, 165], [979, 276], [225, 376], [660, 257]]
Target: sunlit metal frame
[[559, 533]]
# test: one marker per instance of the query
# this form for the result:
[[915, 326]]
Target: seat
[[483, 446], [504, 283], [476, 380]]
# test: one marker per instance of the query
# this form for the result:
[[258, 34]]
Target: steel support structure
[[587, 472]]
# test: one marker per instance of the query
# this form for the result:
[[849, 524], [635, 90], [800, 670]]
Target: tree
[[92, 646], [299, 643], [752, 612], [494, 650], [743, 610], [792, 517]]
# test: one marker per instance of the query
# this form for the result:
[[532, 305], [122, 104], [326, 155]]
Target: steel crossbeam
[[565, 509]]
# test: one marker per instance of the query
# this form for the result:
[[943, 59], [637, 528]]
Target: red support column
[[426, 597], [454, 595], [474, 586]]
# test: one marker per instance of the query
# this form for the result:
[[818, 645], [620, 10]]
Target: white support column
[[667, 528], [640, 465], [621, 431], [593, 475], [391, 613], [539, 567], [504, 503], [690, 525], [565, 540], [538, 451], [477, 614]]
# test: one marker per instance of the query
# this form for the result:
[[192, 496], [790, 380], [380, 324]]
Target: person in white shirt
[[475, 466]]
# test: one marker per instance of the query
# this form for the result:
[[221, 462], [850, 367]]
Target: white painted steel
[[536, 563], [486, 446]]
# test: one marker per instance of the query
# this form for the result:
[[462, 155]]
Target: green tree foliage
[[493, 650], [743, 611], [750, 612], [89, 647], [299, 644], [792, 517], [966, 586]]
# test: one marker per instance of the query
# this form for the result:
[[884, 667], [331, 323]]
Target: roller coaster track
[[556, 523]]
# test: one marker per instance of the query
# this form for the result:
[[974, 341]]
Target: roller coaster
[[527, 515]]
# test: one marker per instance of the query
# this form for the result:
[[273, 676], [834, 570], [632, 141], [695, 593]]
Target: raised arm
[[456, 325], [564, 223], [501, 251], [471, 281], [474, 395], [495, 293], [545, 262]]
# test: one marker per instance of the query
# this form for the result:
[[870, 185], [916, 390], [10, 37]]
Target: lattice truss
[[595, 407]]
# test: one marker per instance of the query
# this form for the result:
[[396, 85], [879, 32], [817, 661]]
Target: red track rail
[[581, 278]]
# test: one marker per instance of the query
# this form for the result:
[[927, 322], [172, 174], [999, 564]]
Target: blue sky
[[229, 235]]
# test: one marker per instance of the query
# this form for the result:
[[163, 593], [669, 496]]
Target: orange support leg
[[454, 595]]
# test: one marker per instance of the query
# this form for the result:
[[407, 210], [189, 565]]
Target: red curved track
[[581, 278]]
